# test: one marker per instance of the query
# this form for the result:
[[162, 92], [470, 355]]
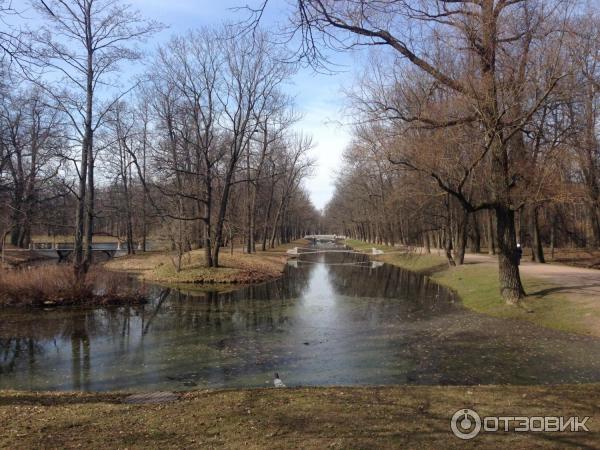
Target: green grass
[[478, 288], [421, 263]]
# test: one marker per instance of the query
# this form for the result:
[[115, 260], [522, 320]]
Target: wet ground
[[332, 319]]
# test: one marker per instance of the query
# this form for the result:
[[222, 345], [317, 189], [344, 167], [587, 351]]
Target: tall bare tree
[[479, 34], [81, 43]]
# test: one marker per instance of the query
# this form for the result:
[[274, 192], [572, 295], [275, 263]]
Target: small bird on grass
[[277, 381]]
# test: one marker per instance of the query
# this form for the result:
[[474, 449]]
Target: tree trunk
[[552, 237], [537, 250], [508, 260], [78, 265], [448, 233], [462, 231], [222, 211], [276, 221], [266, 224], [490, 233], [83, 226], [500, 176], [448, 248], [476, 247]]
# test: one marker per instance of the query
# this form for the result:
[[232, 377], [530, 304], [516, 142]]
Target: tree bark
[[462, 231], [490, 233], [510, 279], [476, 247], [537, 250]]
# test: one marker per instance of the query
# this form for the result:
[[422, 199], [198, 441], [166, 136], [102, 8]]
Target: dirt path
[[575, 281], [576, 284]]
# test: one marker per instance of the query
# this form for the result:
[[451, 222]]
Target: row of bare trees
[[470, 111], [199, 151]]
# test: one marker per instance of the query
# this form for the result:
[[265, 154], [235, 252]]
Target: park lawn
[[236, 268], [331, 417], [478, 287], [479, 290]]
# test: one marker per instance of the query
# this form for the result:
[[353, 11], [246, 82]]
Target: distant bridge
[[324, 237], [311, 251], [62, 251]]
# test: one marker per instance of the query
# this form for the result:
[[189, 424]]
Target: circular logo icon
[[465, 424]]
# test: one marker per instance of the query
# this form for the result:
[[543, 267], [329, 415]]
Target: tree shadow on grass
[[564, 289], [433, 270]]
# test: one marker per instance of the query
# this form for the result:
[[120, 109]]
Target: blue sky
[[318, 96]]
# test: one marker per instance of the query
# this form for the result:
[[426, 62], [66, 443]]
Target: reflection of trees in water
[[262, 306], [23, 352], [351, 276], [15, 350], [24, 338], [80, 351], [222, 338]]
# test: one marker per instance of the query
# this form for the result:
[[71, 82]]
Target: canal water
[[332, 319]]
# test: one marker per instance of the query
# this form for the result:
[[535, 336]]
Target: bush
[[55, 285]]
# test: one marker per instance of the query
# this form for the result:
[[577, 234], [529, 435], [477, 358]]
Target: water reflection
[[333, 318]]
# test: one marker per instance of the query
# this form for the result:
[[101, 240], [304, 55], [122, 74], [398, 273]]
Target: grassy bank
[[56, 285], [234, 268], [478, 287], [370, 417]]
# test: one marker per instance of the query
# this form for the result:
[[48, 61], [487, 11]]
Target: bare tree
[[32, 137], [82, 42], [253, 77], [478, 34]]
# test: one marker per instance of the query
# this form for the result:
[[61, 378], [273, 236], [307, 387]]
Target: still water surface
[[332, 319]]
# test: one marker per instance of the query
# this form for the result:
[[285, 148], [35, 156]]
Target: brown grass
[[56, 285], [236, 268], [308, 418]]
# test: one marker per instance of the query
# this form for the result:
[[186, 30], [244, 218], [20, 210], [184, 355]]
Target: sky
[[319, 96]]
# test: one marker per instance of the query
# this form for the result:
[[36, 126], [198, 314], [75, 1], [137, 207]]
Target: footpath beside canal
[[558, 296]]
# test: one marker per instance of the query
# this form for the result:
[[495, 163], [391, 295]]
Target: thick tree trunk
[[78, 265], [490, 233], [462, 231], [276, 221], [83, 226], [500, 174], [130, 243], [16, 216], [537, 250], [508, 260], [222, 212], [552, 237], [476, 244], [89, 213], [267, 215], [448, 248]]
